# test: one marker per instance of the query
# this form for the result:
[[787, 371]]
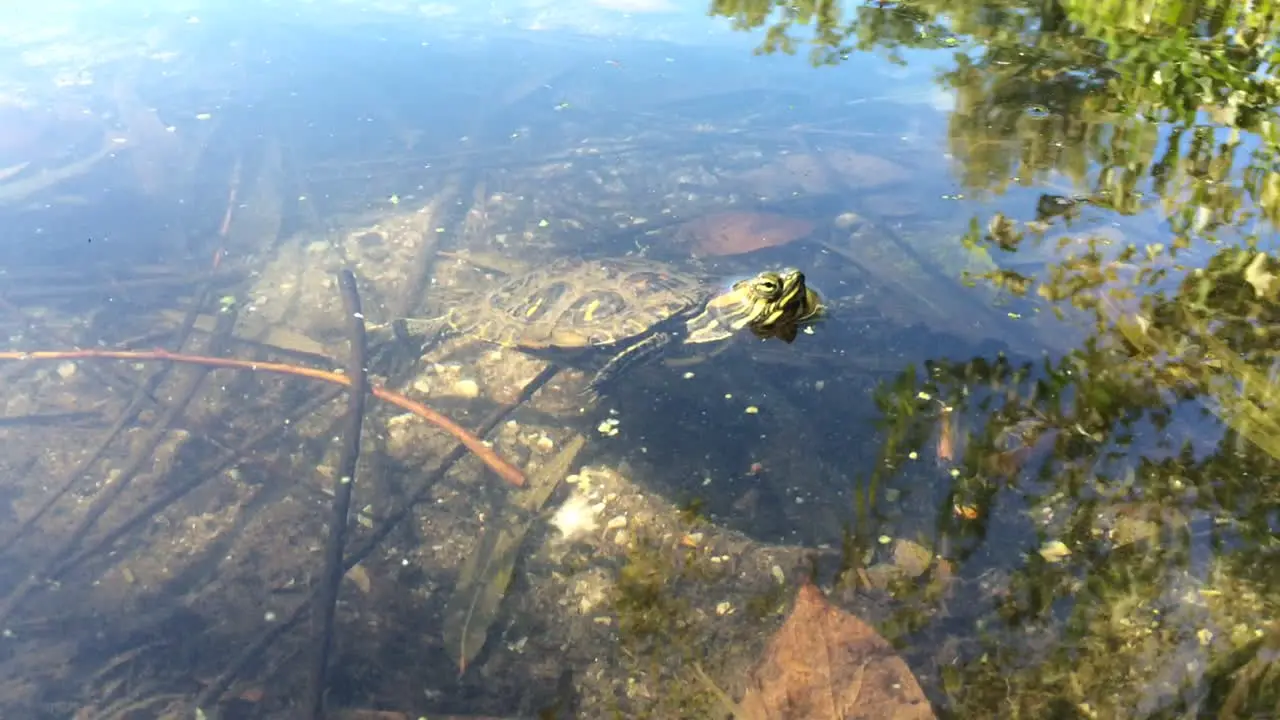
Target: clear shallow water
[[1001, 492]]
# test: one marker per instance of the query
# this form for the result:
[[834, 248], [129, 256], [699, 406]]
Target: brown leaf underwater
[[826, 664], [735, 233]]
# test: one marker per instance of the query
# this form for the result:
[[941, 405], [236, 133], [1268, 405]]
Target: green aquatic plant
[[663, 636]]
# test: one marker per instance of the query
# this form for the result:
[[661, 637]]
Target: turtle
[[611, 314]]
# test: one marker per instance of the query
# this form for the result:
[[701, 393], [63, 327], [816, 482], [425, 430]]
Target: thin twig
[[214, 690], [327, 597], [504, 469]]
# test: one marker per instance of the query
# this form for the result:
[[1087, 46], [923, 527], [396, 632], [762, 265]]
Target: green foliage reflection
[[1155, 589]]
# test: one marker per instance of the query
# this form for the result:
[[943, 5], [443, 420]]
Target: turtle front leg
[[630, 357]]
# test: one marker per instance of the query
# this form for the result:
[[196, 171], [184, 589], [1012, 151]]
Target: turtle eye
[[768, 287]]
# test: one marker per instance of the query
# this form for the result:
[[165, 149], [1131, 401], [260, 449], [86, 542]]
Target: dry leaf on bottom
[[735, 233], [485, 575], [825, 664]]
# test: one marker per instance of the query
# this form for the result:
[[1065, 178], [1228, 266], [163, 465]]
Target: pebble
[[422, 385], [466, 388], [616, 522], [847, 220], [544, 444], [66, 370], [911, 558]]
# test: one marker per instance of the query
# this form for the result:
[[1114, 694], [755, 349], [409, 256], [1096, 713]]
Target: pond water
[[807, 360]]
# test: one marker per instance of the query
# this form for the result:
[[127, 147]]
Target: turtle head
[[773, 303], [782, 302]]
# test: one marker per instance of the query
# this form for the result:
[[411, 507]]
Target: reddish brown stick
[[504, 469]]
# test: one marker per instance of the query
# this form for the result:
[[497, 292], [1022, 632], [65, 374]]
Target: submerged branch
[[327, 597], [504, 469]]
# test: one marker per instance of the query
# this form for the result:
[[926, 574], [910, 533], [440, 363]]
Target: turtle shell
[[579, 305]]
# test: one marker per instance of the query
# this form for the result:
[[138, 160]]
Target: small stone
[[846, 220], [466, 388], [724, 608], [881, 575], [359, 577], [1054, 551], [752, 410], [911, 558], [422, 385], [544, 444], [66, 370], [616, 522]]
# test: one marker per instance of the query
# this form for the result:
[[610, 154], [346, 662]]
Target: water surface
[[1031, 442]]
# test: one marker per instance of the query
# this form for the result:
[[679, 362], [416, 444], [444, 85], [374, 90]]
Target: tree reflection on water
[[1145, 456]]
